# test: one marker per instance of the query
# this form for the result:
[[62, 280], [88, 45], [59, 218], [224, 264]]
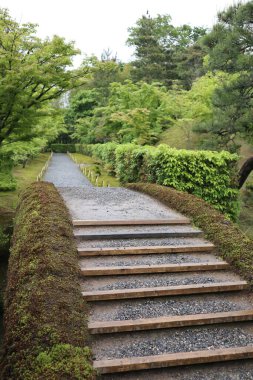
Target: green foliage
[[231, 243], [33, 73], [209, 175], [62, 360], [163, 52], [43, 301], [230, 46], [134, 113], [63, 148], [7, 182]]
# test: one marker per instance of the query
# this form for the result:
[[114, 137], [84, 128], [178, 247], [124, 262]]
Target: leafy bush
[[209, 175], [45, 314], [63, 148], [7, 181]]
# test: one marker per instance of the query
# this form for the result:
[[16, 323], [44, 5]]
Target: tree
[[230, 48], [33, 73], [158, 47]]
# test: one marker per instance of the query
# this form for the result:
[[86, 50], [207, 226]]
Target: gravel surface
[[157, 259], [113, 203], [239, 370], [171, 340], [63, 172], [134, 229], [164, 306], [154, 280], [117, 243]]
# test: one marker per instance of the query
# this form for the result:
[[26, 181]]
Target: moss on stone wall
[[45, 314], [231, 243]]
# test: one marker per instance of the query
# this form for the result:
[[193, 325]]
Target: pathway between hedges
[[160, 299]]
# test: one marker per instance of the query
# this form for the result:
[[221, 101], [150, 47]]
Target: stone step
[[164, 291], [138, 235], [163, 268], [106, 327], [144, 250], [131, 222], [172, 360]]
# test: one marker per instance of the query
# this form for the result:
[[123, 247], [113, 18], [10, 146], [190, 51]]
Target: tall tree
[[158, 45], [230, 48], [32, 73]]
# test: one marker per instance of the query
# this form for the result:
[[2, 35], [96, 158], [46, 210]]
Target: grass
[[23, 176], [96, 167]]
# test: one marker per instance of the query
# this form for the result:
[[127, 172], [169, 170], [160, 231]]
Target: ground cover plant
[[45, 314]]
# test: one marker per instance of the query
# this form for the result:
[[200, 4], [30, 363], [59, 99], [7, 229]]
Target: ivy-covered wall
[[208, 175], [45, 316]]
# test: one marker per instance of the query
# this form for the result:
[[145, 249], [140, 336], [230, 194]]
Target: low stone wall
[[45, 314]]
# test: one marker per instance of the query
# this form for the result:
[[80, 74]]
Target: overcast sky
[[100, 24]]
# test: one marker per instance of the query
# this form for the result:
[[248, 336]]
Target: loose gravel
[[63, 172], [168, 341], [154, 280], [121, 310], [118, 243], [156, 259], [240, 370], [134, 229], [113, 203]]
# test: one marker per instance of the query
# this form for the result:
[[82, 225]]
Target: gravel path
[[113, 203], [63, 172]]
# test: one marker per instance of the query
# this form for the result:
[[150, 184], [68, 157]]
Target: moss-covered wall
[[45, 314], [232, 244]]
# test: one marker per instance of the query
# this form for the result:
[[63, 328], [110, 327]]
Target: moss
[[232, 244], [44, 308]]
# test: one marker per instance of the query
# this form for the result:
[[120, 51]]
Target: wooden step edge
[[172, 360], [106, 327], [164, 291], [131, 222], [144, 250], [163, 268], [138, 235]]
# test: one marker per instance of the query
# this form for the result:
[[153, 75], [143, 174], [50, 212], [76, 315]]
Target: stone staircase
[[159, 297]]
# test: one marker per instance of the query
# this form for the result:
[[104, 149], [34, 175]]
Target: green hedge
[[209, 175], [45, 314], [230, 242], [63, 148]]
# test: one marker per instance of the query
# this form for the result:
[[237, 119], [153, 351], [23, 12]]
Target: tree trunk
[[244, 172]]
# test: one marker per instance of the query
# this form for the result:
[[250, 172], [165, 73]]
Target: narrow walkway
[[158, 294], [62, 172]]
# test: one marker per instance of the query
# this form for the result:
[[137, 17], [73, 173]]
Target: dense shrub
[[209, 175], [7, 181], [45, 314], [230, 242], [63, 148]]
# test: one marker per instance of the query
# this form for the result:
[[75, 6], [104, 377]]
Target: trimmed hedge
[[45, 314], [63, 148], [232, 244], [209, 175]]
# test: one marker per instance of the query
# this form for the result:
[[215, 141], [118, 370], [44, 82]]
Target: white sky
[[96, 25]]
